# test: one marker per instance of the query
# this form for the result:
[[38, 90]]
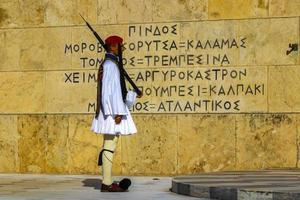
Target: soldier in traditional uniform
[[112, 117]]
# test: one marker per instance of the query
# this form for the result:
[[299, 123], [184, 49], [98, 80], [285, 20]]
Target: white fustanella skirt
[[108, 125]]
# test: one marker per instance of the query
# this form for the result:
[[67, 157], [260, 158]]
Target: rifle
[[122, 71], [95, 34]]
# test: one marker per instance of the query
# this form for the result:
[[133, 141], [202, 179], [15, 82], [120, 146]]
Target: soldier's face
[[114, 48]]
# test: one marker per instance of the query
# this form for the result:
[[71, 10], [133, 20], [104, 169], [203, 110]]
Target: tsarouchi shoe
[[114, 187]]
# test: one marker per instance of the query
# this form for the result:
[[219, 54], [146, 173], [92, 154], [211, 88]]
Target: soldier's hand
[[118, 119], [139, 96]]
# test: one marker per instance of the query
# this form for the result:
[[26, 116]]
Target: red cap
[[113, 40]]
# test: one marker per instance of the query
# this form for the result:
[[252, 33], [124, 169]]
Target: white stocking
[[110, 143]]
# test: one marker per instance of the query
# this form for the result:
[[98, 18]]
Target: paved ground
[[255, 185], [75, 187]]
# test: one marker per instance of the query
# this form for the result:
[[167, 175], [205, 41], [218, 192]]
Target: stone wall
[[220, 89]]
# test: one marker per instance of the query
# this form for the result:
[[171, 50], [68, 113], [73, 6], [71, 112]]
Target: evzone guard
[[112, 117]]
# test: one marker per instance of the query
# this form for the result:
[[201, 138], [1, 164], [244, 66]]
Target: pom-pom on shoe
[[125, 183]]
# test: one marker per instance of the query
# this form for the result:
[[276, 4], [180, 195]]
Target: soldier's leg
[[110, 143]]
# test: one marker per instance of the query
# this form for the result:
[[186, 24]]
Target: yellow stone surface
[[63, 13], [155, 39], [284, 8], [152, 150], [266, 141], [21, 13], [9, 153], [268, 40], [22, 92], [42, 49], [283, 89], [164, 10], [54, 41], [32, 143], [52, 144], [50, 48], [56, 13], [138, 11], [64, 96], [211, 31], [9, 13], [249, 91], [57, 153], [254, 99], [124, 11], [236, 9], [164, 144], [75, 91], [32, 13], [10, 50], [206, 143], [33, 49], [297, 142]]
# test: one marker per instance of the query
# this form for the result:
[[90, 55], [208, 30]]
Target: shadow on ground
[[92, 182]]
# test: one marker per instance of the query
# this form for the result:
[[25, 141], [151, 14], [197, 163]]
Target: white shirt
[[112, 104]]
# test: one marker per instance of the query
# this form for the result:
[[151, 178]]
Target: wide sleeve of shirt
[[111, 90]]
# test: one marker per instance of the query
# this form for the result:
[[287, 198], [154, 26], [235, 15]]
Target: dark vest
[[115, 59]]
